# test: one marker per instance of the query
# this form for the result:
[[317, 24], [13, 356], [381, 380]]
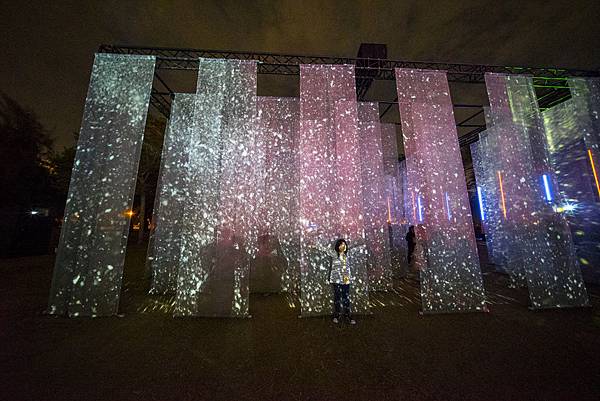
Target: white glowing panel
[[277, 265], [164, 247], [450, 278], [89, 262], [222, 181]]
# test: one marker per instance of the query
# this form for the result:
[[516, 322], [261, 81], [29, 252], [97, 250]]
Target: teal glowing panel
[[573, 134], [528, 238]]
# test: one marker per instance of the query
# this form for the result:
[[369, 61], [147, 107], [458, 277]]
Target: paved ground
[[510, 353]]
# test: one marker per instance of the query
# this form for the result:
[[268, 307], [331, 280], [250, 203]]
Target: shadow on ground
[[510, 353]]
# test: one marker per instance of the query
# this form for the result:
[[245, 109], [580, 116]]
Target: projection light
[[566, 208]]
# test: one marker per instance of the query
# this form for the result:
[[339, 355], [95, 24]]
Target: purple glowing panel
[[530, 239], [393, 187], [222, 184], [394, 198], [89, 262], [374, 199], [164, 246], [573, 134], [330, 184], [277, 265], [451, 278]]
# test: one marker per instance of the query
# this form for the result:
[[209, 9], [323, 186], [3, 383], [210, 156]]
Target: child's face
[[342, 247]]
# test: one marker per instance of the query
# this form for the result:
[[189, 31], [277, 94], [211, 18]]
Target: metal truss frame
[[550, 83]]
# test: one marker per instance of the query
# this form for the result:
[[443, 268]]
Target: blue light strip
[[480, 198], [419, 208], [547, 188], [448, 206]]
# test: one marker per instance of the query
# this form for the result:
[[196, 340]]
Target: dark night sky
[[48, 46]]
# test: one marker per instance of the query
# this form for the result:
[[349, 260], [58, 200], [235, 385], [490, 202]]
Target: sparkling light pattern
[[573, 134], [89, 262], [330, 183], [395, 182], [222, 182], [451, 278], [164, 248], [374, 200], [277, 266], [528, 238]]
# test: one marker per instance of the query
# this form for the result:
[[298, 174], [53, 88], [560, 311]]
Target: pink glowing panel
[[374, 199], [222, 183], [451, 278], [277, 265], [330, 183]]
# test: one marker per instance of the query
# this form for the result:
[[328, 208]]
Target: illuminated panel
[[222, 181], [394, 177], [89, 262], [451, 278], [490, 199], [390, 168], [330, 184], [374, 199], [277, 266], [164, 246], [532, 239], [573, 134]]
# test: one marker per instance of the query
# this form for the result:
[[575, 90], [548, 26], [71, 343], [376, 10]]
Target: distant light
[[34, 212], [480, 199], [547, 188], [502, 194], [419, 208]]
